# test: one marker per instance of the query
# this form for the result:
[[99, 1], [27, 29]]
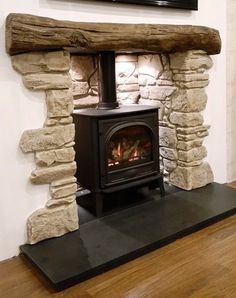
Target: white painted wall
[[22, 109], [231, 90]]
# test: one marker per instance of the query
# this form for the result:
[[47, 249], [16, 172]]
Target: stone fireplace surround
[[171, 76]]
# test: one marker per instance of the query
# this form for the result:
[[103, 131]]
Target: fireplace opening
[[117, 147]]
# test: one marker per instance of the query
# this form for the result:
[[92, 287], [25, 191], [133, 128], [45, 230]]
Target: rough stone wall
[[156, 88], [52, 144], [127, 79], [175, 83], [85, 80], [187, 103], [83, 71]]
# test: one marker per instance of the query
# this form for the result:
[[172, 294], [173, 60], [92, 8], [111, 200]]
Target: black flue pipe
[[107, 81]]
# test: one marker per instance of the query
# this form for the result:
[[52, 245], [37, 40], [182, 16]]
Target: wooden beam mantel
[[26, 33]]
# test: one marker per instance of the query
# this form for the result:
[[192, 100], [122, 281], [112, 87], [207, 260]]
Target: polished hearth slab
[[104, 243]]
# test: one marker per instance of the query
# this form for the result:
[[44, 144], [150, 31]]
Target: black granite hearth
[[104, 243]]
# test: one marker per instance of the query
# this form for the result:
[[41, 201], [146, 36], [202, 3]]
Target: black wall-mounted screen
[[184, 4]]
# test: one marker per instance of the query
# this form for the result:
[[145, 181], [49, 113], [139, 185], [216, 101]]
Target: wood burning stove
[[116, 147]]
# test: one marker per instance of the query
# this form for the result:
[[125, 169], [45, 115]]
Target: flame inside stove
[[127, 150]]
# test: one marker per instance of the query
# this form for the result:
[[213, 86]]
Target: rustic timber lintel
[[25, 33]]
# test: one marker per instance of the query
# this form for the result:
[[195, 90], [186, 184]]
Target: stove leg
[[98, 204], [159, 183], [161, 186]]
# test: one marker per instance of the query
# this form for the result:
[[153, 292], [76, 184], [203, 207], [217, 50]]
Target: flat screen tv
[[184, 4]]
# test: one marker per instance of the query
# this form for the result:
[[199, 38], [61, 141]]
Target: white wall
[[22, 109], [231, 90]]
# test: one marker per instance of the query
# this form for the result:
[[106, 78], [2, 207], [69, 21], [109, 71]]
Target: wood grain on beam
[[26, 33]]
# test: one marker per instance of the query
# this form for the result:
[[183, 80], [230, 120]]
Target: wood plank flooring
[[200, 265]]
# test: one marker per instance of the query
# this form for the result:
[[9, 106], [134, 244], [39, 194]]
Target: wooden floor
[[200, 265]]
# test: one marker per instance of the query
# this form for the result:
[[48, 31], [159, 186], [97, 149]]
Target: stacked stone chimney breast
[[173, 79]]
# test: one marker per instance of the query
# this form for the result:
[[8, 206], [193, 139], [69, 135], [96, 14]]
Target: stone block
[[190, 60], [47, 138], [59, 202], [202, 134], [165, 61], [150, 65], [167, 112], [186, 119], [189, 164], [169, 165], [164, 83], [93, 80], [146, 80], [128, 97], [189, 100], [192, 85], [179, 71], [59, 103], [194, 154], [85, 102], [186, 138], [58, 121], [66, 120], [50, 122], [168, 153], [124, 70], [166, 124], [160, 92], [189, 130], [50, 174], [82, 67], [93, 91], [192, 177], [167, 137], [184, 145], [70, 144], [80, 88], [133, 79], [144, 92], [186, 77], [63, 191], [51, 157], [47, 81], [36, 62], [47, 223], [63, 181], [148, 102], [128, 88], [167, 75]]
